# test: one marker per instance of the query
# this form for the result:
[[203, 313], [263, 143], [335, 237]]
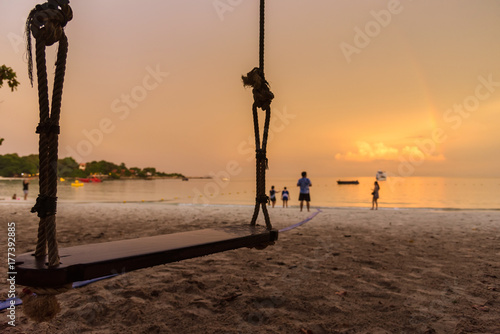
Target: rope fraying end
[[41, 304]]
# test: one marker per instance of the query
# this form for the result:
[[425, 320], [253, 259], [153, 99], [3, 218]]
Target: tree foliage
[[68, 167], [102, 167], [12, 165], [7, 73]]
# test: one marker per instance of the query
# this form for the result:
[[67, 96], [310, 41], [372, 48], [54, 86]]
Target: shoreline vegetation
[[14, 166]]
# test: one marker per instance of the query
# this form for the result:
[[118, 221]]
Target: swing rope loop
[[262, 97], [46, 23]]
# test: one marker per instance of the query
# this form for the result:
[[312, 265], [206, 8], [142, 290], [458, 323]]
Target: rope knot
[[46, 21], [260, 154], [47, 127], [262, 199], [45, 206], [262, 95]]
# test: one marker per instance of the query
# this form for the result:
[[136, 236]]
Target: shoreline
[[173, 202], [106, 178]]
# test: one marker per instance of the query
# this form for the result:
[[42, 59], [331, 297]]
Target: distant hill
[[12, 165]]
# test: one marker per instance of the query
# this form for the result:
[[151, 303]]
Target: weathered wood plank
[[85, 262]]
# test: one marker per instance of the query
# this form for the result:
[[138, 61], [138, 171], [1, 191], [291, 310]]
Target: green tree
[[68, 167], [9, 165], [14, 165], [101, 167], [6, 73], [1, 141], [30, 164]]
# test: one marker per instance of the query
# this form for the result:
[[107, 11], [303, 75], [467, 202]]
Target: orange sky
[[411, 87]]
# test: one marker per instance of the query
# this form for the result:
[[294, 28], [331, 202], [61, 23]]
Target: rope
[[288, 228], [46, 23], [261, 35], [262, 97]]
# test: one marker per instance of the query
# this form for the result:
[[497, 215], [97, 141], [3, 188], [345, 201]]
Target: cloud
[[380, 151], [369, 152], [413, 153]]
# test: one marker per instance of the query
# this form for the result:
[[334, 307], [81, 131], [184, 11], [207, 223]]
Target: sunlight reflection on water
[[410, 192]]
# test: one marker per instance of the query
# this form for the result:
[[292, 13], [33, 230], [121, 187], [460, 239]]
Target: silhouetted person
[[26, 184], [376, 188], [284, 197], [304, 183], [272, 196]]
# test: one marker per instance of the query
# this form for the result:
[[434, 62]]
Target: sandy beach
[[345, 271]]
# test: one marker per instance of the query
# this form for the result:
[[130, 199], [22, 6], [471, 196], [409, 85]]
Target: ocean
[[407, 192]]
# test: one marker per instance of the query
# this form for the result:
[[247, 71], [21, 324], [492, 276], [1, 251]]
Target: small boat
[[90, 179], [381, 176], [348, 182], [77, 184], [185, 179]]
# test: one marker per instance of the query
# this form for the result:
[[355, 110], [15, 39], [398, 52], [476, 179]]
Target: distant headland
[[12, 165]]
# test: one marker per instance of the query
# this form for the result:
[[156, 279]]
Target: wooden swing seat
[[80, 263]]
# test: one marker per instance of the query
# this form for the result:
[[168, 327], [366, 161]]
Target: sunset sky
[[410, 87]]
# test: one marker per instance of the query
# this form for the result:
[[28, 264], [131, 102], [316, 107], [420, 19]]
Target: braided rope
[[262, 96], [43, 102], [46, 23], [261, 34]]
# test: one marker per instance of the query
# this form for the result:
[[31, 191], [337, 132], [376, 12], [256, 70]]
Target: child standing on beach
[[284, 197]]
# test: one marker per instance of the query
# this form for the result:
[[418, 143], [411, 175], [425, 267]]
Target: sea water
[[407, 192]]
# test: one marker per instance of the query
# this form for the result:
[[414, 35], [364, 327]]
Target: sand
[[346, 271]]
